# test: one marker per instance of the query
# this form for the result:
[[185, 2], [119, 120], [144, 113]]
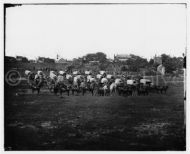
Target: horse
[[112, 87], [76, 84], [125, 90], [51, 84], [164, 89], [37, 84], [105, 89], [83, 87], [61, 87], [91, 87], [100, 91]]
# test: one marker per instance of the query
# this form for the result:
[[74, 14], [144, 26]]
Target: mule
[[37, 84]]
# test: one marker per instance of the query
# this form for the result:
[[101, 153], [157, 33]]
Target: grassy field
[[47, 122]]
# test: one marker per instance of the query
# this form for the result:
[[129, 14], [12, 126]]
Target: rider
[[31, 78], [61, 78], [38, 75]]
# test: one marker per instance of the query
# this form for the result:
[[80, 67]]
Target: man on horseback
[[61, 83], [51, 80], [36, 81], [76, 83], [30, 77]]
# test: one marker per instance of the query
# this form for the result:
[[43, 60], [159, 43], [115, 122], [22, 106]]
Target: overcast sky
[[75, 30]]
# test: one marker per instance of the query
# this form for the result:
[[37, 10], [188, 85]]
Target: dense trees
[[134, 63], [172, 63], [99, 56]]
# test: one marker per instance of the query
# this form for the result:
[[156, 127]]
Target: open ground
[[48, 122]]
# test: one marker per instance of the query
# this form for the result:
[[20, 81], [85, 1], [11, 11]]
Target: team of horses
[[100, 85]]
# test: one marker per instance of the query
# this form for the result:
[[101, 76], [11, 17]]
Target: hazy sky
[[75, 30]]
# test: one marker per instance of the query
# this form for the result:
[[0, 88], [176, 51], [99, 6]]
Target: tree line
[[135, 63]]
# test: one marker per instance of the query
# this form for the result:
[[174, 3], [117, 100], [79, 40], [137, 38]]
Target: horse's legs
[[77, 90], [38, 89], [165, 91], [158, 91], [138, 93], [114, 91], [104, 92], [101, 92], [55, 90], [68, 92], [95, 92], [111, 92], [32, 90], [61, 93]]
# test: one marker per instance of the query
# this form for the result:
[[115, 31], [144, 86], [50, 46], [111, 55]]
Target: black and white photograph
[[95, 76]]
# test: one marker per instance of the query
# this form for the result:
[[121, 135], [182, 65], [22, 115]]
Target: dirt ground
[[48, 122]]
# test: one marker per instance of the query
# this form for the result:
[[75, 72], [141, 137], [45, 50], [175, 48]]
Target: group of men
[[102, 83]]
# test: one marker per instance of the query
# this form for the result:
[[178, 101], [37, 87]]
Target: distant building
[[110, 60], [21, 59], [94, 62], [61, 60], [10, 59], [32, 61], [45, 60], [76, 61], [121, 57]]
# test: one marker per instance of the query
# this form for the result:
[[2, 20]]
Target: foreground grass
[[47, 122]]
